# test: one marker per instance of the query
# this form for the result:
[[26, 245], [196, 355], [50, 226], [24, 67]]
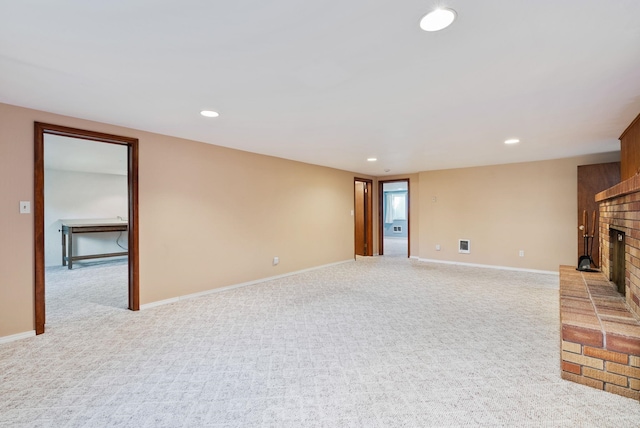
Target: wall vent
[[464, 246]]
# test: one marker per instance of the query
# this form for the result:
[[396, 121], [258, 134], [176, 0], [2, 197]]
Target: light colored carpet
[[379, 342], [395, 247]]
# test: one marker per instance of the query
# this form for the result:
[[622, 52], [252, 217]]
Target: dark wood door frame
[[368, 213], [381, 214], [40, 130]]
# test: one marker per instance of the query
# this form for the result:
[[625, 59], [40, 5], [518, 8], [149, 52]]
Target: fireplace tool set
[[585, 261]]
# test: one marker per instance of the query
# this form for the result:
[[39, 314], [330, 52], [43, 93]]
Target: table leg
[[70, 258], [64, 248]]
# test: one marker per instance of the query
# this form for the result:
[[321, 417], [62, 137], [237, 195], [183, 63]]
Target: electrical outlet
[[437, 247], [25, 207], [521, 254], [276, 260]]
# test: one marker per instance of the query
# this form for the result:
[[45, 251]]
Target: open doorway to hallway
[[394, 218]]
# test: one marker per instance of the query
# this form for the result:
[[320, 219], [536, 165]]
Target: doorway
[[43, 130], [363, 208], [393, 214]]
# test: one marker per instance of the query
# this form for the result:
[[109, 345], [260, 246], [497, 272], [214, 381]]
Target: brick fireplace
[[620, 216], [600, 311]]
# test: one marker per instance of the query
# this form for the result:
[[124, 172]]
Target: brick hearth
[[600, 334]]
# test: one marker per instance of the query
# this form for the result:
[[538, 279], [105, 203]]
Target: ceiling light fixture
[[512, 141], [209, 113], [438, 19], [372, 159]]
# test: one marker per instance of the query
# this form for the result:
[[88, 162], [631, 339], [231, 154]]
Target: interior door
[[363, 217], [361, 236]]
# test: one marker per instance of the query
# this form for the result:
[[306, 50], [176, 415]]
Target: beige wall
[[503, 209], [213, 217], [16, 232], [209, 216]]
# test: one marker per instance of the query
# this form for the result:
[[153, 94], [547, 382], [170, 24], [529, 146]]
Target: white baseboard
[[18, 336], [160, 303], [446, 262], [231, 287]]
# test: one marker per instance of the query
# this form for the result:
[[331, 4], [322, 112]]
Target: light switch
[[25, 207]]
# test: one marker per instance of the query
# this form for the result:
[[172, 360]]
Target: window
[[399, 204]]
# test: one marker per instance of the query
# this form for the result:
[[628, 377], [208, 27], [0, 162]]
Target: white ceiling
[[334, 82]]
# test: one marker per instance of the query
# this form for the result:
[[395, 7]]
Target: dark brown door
[[593, 179], [362, 214]]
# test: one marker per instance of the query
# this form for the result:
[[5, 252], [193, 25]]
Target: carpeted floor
[[395, 247], [379, 342]]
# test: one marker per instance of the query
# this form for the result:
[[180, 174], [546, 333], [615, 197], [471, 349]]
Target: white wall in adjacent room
[[82, 195]]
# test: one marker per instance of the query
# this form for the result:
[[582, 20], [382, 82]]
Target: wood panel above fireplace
[[593, 179], [630, 150]]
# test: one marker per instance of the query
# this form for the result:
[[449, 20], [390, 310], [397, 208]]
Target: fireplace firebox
[[617, 259]]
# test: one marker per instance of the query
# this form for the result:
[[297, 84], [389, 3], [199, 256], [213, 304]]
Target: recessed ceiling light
[[209, 113], [372, 159], [512, 141], [438, 20]]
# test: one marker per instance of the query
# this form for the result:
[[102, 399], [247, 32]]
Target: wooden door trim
[[40, 129], [381, 214], [368, 213]]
